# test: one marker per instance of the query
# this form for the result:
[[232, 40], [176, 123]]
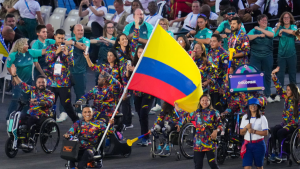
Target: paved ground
[[140, 157]]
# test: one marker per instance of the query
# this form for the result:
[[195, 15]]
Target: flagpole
[[126, 88]]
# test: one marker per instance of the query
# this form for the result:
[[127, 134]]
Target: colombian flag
[[167, 71]]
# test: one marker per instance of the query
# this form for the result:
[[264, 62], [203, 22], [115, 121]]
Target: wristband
[[15, 75]]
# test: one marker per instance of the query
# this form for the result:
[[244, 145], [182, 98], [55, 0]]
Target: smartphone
[[129, 62], [86, 50]]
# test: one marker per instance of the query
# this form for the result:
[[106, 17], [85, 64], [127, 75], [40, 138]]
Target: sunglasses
[[231, 13]]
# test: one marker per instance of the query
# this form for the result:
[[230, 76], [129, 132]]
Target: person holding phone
[[60, 59]]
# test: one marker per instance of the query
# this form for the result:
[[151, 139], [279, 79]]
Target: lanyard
[[93, 13], [236, 37], [192, 18], [150, 17], [28, 8]]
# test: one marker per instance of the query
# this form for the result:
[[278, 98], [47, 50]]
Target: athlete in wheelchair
[[166, 125], [287, 133], [88, 131], [24, 129]]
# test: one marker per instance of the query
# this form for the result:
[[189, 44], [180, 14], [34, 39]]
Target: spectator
[[211, 4], [10, 20], [145, 28], [237, 4], [152, 17], [50, 31], [59, 80], [220, 9], [164, 23], [134, 5], [28, 9], [190, 21], [261, 38], [205, 9], [224, 28], [119, 18], [291, 6], [8, 4], [128, 5], [202, 33], [254, 127], [270, 8], [22, 58], [287, 57], [10, 37], [239, 40], [106, 41], [145, 4], [179, 5], [78, 70], [184, 42], [96, 14]]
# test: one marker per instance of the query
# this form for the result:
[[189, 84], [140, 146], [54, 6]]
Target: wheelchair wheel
[[186, 140], [221, 155], [49, 136], [295, 147], [9, 151]]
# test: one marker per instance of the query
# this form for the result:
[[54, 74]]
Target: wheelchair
[[229, 141], [292, 146], [173, 140], [47, 133], [186, 140]]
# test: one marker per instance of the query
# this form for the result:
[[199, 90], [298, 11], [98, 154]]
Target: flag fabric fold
[[168, 72]]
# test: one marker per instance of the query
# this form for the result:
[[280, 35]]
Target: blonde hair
[[165, 21], [18, 45]]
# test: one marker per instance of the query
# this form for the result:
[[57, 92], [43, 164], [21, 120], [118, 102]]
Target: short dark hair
[[120, 2], [230, 9], [9, 16], [224, 2], [87, 106], [259, 17], [41, 77], [237, 19], [60, 31], [39, 28], [218, 37]]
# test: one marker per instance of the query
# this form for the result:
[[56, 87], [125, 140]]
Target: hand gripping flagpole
[[126, 88]]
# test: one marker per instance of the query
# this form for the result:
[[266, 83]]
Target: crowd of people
[[115, 49]]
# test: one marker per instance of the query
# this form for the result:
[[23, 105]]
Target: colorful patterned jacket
[[104, 98], [133, 47], [288, 118], [208, 72], [170, 118], [212, 121], [46, 96], [242, 46], [219, 59], [64, 79], [118, 72], [90, 132]]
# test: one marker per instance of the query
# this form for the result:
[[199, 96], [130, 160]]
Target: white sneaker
[[63, 116], [270, 100], [80, 115], [129, 127], [277, 98], [156, 108], [151, 112]]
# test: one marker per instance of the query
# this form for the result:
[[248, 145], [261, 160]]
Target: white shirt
[[260, 124], [190, 20], [217, 6], [24, 11], [152, 19], [130, 18], [273, 8], [145, 4], [213, 16], [94, 18], [117, 17], [127, 8]]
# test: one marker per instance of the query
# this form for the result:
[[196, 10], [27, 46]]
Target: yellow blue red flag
[[3, 48], [168, 72]]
